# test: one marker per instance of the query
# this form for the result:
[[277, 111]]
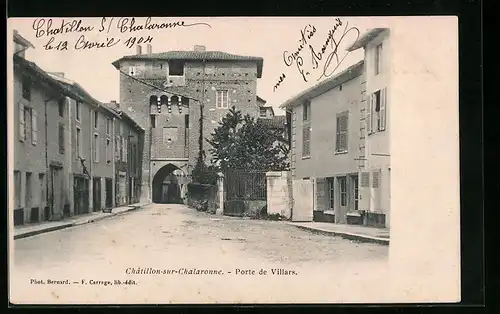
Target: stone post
[[279, 193], [220, 192]]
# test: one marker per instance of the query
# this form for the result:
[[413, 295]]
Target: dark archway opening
[[166, 188]]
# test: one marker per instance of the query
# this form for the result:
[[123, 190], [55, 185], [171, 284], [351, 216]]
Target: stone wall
[[279, 193]]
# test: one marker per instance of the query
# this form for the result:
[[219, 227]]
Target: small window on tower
[[176, 68]]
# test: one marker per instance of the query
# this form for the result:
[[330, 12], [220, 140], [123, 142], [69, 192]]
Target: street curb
[[346, 235], [74, 224]]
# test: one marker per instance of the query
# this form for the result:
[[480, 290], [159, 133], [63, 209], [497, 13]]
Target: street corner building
[[178, 98], [340, 148], [72, 154]]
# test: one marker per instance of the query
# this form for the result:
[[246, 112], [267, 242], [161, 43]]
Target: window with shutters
[[118, 149], [26, 86], [34, 126], [306, 141], [375, 179], [222, 99], [61, 138], [376, 117], [96, 147], [365, 179], [342, 129], [306, 111], [22, 122]]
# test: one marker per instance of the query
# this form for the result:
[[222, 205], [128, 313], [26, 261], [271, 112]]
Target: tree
[[246, 143]]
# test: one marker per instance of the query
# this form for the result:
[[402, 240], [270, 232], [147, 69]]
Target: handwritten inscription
[[323, 61], [51, 29]]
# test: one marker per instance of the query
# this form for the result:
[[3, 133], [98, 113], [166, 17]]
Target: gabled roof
[[261, 99], [194, 56], [366, 38], [324, 86]]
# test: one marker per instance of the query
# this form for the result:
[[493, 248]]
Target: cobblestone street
[[171, 237]]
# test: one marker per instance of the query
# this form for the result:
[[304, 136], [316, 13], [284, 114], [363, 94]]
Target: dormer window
[[176, 68]]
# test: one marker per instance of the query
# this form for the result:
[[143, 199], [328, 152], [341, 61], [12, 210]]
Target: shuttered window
[[22, 122], [375, 179], [34, 126], [383, 106], [306, 141], [365, 179], [342, 129], [369, 114]]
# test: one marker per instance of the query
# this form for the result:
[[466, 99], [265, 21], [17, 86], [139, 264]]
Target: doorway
[[55, 192], [96, 185], [166, 188], [109, 193], [341, 209]]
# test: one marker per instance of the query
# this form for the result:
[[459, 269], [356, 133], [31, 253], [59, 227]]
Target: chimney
[[149, 49], [199, 48], [114, 104], [139, 50]]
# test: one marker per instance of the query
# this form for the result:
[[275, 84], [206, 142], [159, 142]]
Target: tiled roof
[[123, 114], [278, 122], [366, 38], [37, 72], [324, 86], [261, 99], [194, 56]]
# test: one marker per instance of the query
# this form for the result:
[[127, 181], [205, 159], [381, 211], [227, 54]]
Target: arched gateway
[[168, 184]]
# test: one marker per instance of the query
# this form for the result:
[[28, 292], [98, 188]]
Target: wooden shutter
[[369, 124], [34, 127], [22, 122], [376, 189], [338, 148], [383, 102], [344, 119], [364, 192]]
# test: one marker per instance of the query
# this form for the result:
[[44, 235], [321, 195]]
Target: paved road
[[177, 240]]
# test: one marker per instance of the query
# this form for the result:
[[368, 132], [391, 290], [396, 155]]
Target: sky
[[272, 38]]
